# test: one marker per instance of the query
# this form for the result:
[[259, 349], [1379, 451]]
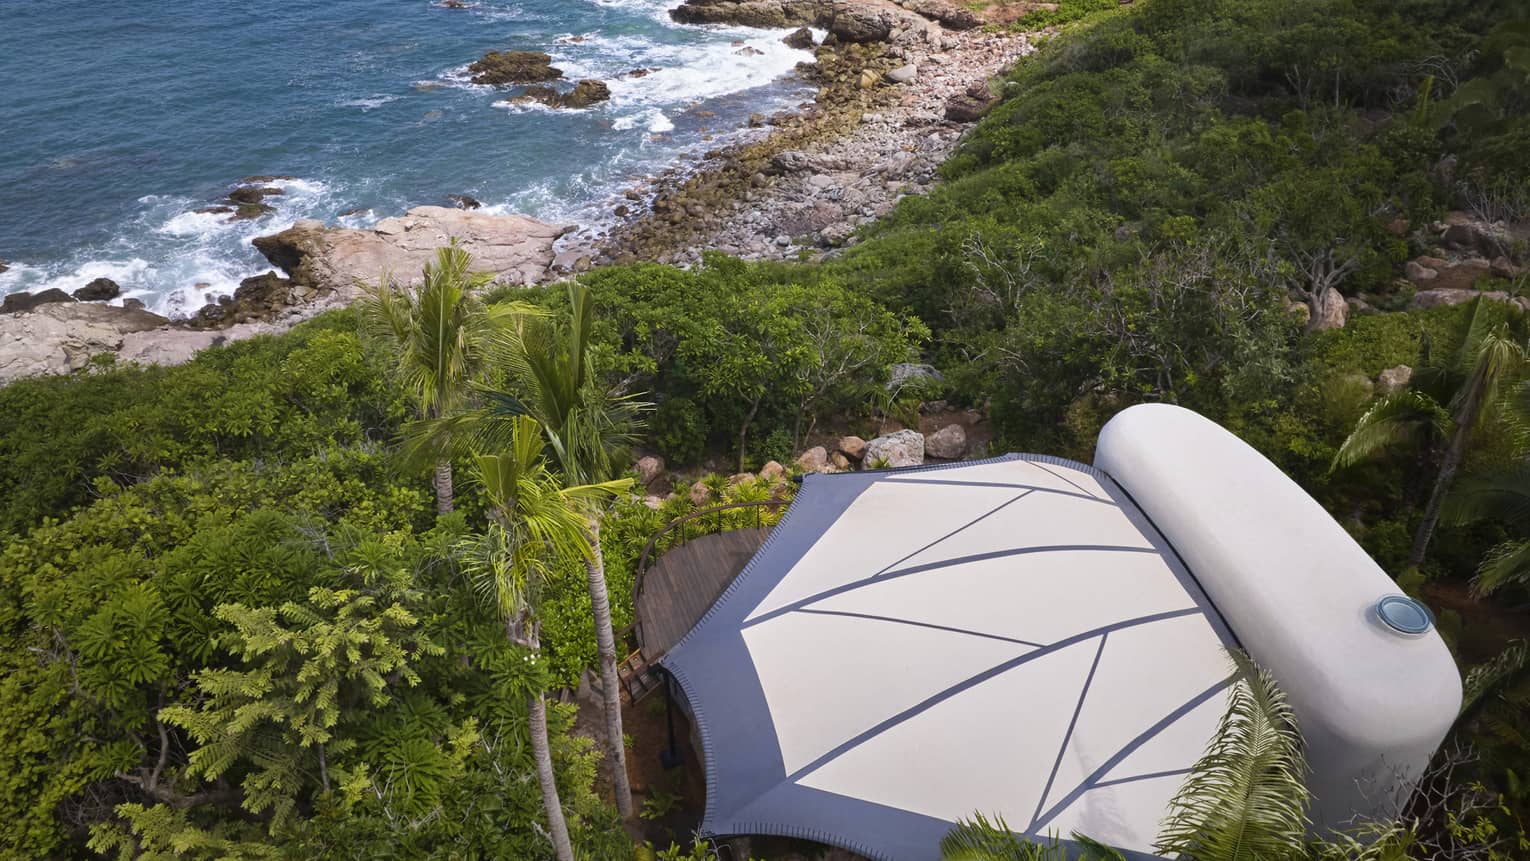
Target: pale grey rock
[[948, 443], [907, 373], [1332, 312], [512, 248], [60, 338], [904, 448], [1394, 379], [904, 74], [649, 469], [1418, 273]]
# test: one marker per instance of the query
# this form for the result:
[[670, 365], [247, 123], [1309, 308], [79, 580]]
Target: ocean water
[[117, 119]]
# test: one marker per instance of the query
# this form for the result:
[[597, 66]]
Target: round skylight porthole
[[1405, 615]]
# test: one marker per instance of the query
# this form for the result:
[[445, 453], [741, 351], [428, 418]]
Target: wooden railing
[[646, 559]]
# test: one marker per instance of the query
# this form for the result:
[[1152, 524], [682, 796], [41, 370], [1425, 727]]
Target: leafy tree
[[1448, 401]]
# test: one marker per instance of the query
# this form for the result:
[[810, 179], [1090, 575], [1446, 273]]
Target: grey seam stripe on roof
[[969, 524], [1062, 748], [1147, 735], [1061, 477], [1035, 487], [936, 566], [1173, 772], [973, 681], [931, 625]]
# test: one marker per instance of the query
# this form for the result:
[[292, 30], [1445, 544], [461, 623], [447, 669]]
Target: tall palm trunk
[[543, 754], [1455, 453], [541, 751], [442, 481], [610, 683]]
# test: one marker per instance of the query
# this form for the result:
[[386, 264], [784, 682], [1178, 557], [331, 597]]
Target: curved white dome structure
[[1016, 637]]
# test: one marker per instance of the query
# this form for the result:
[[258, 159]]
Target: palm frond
[[978, 839], [1508, 562], [1486, 681], [1246, 798], [1406, 415], [1502, 495], [1499, 358]]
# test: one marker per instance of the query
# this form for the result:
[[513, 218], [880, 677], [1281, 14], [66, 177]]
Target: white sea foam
[[369, 103], [685, 73], [653, 119]]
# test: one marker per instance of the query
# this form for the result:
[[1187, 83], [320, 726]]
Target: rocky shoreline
[[897, 81]]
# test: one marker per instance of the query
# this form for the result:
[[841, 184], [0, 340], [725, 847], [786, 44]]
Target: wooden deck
[[680, 588]]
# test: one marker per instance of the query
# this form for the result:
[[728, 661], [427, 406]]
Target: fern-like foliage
[[304, 669], [1246, 798], [982, 839]]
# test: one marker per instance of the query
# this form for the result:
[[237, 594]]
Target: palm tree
[[1244, 799], [441, 336], [1447, 402], [536, 523], [587, 430], [1501, 495]]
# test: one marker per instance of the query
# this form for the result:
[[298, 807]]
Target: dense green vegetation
[[237, 622]]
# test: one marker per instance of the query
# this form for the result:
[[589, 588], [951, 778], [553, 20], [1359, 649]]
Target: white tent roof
[[1008, 637]]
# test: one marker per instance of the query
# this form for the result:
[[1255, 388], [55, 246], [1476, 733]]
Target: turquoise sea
[[117, 119]]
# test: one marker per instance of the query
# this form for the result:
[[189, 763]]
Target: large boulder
[[98, 290], [948, 443], [1329, 312], [16, 303], [967, 108], [903, 448], [948, 13], [650, 469], [800, 38], [1435, 297], [261, 297], [253, 194], [514, 67], [1475, 237], [852, 447], [512, 248], [584, 94], [1394, 379], [815, 459], [911, 373]]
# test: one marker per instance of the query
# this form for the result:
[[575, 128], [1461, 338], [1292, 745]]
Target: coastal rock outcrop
[[584, 94], [98, 290], [59, 338], [338, 260], [846, 20], [497, 68], [15, 303]]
